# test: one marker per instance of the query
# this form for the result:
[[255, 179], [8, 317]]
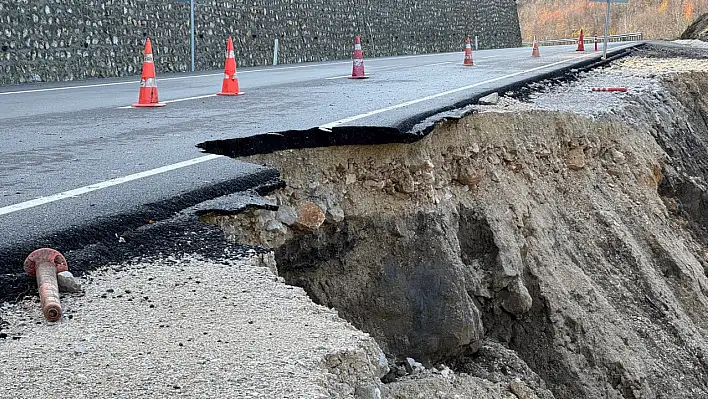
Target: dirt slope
[[570, 231]]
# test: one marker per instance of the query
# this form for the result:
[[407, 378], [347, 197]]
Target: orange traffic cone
[[230, 85], [581, 41], [358, 69], [468, 53], [535, 52], [148, 84]]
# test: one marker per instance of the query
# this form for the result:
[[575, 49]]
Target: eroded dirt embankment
[[575, 240]]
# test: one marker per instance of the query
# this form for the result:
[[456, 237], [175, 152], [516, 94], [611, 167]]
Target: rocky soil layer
[[567, 232]]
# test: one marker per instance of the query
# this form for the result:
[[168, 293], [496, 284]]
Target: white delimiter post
[[191, 25], [607, 30], [275, 52]]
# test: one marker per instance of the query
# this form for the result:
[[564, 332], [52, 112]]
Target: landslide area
[[550, 247]]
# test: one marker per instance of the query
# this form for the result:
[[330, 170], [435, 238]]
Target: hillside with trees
[[658, 19]]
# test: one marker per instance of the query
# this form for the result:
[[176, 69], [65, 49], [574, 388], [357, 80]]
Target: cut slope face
[[698, 29], [578, 242]]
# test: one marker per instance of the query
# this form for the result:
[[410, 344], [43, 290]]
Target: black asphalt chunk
[[406, 131], [311, 138]]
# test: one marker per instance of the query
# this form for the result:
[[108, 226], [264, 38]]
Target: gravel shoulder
[[641, 75], [183, 328]]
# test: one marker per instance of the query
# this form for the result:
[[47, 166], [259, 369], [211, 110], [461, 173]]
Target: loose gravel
[[692, 43], [176, 328], [640, 75]]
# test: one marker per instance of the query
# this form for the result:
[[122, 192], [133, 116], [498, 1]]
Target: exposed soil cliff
[[547, 252]]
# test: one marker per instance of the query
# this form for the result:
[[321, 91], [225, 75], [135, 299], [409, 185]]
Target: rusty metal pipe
[[45, 263]]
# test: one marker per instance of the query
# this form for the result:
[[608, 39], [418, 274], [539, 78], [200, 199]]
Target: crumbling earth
[[553, 245], [570, 230]]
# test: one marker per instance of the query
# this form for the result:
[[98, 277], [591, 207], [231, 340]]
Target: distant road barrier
[[625, 37]]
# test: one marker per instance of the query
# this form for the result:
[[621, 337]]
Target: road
[[75, 157]]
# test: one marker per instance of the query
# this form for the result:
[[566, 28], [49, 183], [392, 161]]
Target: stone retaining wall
[[54, 40]]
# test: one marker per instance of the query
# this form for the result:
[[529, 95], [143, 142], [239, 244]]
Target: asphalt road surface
[[75, 154]]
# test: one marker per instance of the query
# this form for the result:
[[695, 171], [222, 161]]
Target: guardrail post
[[634, 36], [191, 33]]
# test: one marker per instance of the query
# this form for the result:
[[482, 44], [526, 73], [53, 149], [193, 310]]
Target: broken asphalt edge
[[406, 131], [97, 243], [425, 123]]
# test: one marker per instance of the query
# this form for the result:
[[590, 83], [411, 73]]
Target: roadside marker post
[[191, 30], [192, 44], [275, 52], [607, 21]]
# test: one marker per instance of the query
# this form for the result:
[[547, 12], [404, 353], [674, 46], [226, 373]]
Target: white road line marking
[[120, 180], [340, 77], [68, 88], [413, 56], [188, 98], [368, 60], [330, 125], [393, 67], [275, 69], [206, 75], [107, 84], [427, 65], [177, 100], [375, 70], [99, 186]]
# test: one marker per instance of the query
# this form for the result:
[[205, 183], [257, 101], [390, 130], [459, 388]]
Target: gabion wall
[[55, 40]]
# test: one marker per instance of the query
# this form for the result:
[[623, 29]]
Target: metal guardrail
[[626, 37]]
